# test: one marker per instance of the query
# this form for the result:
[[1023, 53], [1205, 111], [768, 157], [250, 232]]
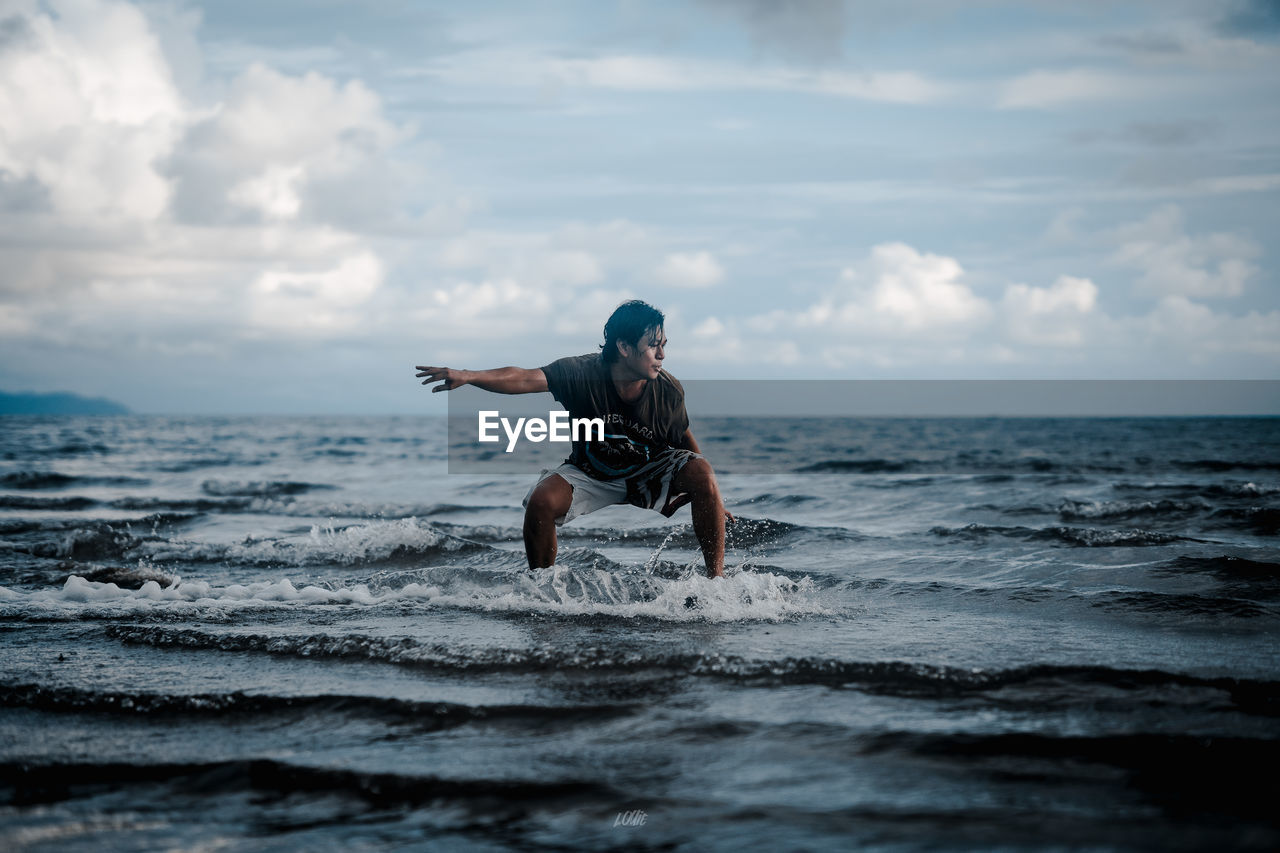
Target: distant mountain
[[58, 404]]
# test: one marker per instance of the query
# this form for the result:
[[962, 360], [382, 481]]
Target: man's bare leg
[[699, 481], [549, 501]]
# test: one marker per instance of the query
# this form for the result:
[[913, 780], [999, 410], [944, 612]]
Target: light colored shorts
[[648, 488]]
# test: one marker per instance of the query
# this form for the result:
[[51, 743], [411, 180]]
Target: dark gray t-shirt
[[634, 433]]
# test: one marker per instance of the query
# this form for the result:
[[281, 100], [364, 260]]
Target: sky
[[282, 207]]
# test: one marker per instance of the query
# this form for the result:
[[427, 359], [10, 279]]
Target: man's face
[[644, 360]]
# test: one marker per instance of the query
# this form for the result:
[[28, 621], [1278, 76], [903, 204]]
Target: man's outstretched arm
[[502, 380]]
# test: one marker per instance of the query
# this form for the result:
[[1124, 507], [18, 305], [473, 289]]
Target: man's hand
[[448, 377]]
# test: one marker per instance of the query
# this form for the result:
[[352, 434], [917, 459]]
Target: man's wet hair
[[628, 323]]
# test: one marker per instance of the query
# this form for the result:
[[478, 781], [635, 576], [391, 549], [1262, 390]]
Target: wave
[[424, 716], [183, 466], [1074, 536], [745, 532], [55, 480], [782, 500], [1070, 510], [1259, 519], [1124, 750], [125, 577], [1185, 774], [861, 466], [198, 505], [67, 504], [405, 540], [70, 448], [1183, 604], [991, 469], [95, 540], [1231, 568], [498, 798], [1226, 464], [594, 587], [1239, 601], [258, 488], [60, 527], [1228, 490], [1038, 686]]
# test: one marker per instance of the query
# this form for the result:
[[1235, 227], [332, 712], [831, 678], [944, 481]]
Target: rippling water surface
[[259, 633]]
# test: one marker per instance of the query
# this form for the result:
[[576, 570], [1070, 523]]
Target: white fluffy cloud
[[163, 218], [900, 290], [690, 269], [318, 302], [274, 135], [897, 306], [88, 109], [1056, 315], [1172, 262], [1197, 333], [903, 309]]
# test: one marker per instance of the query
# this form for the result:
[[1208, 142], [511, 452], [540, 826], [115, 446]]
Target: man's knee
[[550, 500]]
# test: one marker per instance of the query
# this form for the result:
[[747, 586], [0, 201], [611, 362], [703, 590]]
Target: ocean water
[[302, 634]]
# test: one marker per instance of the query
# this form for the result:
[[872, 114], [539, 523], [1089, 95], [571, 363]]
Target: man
[[648, 457]]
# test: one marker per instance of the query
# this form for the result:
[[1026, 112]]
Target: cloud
[[145, 219], [1172, 262], [1052, 316], [896, 294], [1231, 184], [895, 307], [909, 292], [511, 309], [490, 300], [1235, 40], [274, 138], [803, 30], [690, 269], [1047, 89], [1250, 18], [274, 192], [1145, 44], [639, 73], [1197, 333], [534, 258], [88, 109], [902, 311], [709, 328], [316, 303]]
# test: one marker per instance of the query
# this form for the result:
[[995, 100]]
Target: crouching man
[[648, 456]]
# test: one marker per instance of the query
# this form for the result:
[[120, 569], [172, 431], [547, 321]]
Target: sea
[[303, 633]]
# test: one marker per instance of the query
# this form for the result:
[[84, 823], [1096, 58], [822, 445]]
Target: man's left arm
[[674, 502], [688, 442]]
